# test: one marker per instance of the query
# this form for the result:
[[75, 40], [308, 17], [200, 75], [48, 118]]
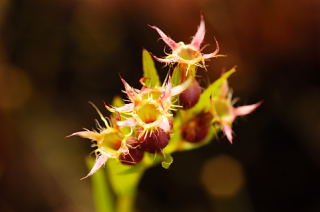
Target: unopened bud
[[154, 141], [190, 96], [134, 155], [197, 129]]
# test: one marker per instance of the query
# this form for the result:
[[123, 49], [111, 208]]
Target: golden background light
[[222, 176]]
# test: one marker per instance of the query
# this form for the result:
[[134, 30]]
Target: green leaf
[[149, 70], [212, 91], [176, 76], [101, 192], [117, 101], [168, 159]]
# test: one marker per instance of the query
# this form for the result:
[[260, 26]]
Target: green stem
[[125, 203], [101, 192], [187, 71], [124, 181]]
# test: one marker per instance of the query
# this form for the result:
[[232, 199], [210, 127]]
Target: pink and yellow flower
[[225, 113], [150, 108], [111, 142], [187, 54], [149, 112]]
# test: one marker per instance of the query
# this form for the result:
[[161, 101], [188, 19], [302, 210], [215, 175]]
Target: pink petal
[[145, 90], [208, 56], [125, 108], [227, 131], [167, 92], [180, 88], [171, 43], [213, 54], [198, 38], [164, 124], [165, 60], [129, 90], [100, 161], [244, 110], [87, 134], [130, 122], [224, 90]]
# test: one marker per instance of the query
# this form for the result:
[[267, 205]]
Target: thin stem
[[101, 192], [125, 203], [187, 71]]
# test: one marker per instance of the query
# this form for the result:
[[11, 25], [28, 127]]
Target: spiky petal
[[199, 36], [129, 122], [244, 110], [171, 43], [100, 161], [180, 88], [164, 124], [227, 130], [129, 90], [88, 134]]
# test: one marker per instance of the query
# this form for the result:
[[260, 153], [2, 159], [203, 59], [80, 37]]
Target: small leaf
[[212, 91], [168, 159], [149, 70], [150, 159], [117, 101]]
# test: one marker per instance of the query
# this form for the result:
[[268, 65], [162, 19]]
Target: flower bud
[[134, 155], [197, 129], [190, 96], [154, 141]]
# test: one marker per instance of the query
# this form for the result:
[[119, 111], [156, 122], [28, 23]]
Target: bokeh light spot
[[222, 176]]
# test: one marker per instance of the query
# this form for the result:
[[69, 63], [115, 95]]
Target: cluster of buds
[[220, 112], [146, 122]]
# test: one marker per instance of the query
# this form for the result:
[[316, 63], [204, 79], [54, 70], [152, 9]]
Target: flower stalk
[[161, 118]]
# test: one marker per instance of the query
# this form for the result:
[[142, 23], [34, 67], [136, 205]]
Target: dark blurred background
[[56, 55]]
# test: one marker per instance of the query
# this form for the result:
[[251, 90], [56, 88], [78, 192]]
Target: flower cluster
[[146, 123]]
